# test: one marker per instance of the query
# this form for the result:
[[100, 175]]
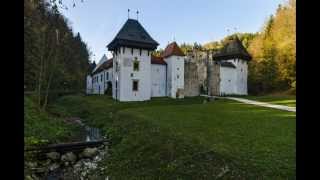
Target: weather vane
[[137, 14]]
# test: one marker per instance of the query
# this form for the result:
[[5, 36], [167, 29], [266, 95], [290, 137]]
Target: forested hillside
[[273, 49], [274, 52], [55, 58]]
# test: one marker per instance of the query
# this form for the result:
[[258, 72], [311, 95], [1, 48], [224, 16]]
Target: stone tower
[[191, 83], [213, 78]]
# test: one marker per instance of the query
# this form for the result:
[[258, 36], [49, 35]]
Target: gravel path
[[258, 103]]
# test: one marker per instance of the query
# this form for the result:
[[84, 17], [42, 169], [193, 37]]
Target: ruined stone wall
[[191, 79], [213, 79], [198, 58]]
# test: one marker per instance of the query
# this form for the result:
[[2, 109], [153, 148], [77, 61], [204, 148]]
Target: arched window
[[135, 64]]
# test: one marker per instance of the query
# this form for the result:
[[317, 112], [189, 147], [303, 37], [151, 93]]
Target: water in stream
[[91, 134]]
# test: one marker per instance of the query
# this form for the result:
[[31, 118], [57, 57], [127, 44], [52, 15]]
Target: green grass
[[287, 100], [42, 127], [186, 139]]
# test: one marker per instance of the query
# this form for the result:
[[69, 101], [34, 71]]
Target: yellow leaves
[[276, 42]]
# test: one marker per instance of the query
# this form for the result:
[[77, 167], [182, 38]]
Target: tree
[[55, 58], [274, 52]]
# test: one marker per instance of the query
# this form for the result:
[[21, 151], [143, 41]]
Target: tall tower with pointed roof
[[174, 57], [233, 61], [131, 49]]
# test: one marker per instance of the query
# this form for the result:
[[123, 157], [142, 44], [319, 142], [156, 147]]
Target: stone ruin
[[196, 73]]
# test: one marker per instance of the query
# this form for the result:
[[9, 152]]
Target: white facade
[[158, 80], [175, 75], [125, 76], [233, 81], [100, 81], [89, 89]]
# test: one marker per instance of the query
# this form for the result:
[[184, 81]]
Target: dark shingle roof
[[132, 34], [172, 49], [232, 49], [104, 66], [227, 64], [157, 60]]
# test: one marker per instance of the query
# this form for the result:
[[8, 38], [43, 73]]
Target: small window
[[117, 67], [135, 64], [177, 76], [241, 69], [229, 80], [107, 76], [131, 74], [178, 69], [123, 50], [135, 85], [101, 77]]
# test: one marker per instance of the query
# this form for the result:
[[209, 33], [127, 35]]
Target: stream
[[81, 164]]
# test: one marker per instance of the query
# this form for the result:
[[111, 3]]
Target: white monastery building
[[134, 74]]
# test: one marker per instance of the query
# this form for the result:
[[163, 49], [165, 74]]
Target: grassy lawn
[[287, 100], [189, 139], [41, 127]]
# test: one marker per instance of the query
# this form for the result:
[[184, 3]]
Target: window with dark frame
[[117, 67], [135, 85], [107, 76], [135, 64]]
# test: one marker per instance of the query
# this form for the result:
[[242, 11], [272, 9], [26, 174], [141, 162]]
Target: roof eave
[[131, 44], [232, 56]]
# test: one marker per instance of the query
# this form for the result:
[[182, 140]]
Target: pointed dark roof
[[104, 66], [172, 49], [232, 49], [132, 34]]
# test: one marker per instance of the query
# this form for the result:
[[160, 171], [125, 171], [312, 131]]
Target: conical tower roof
[[172, 49], [132, 34], [232, 49]]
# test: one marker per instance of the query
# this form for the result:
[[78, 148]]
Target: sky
[[189, 21]]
